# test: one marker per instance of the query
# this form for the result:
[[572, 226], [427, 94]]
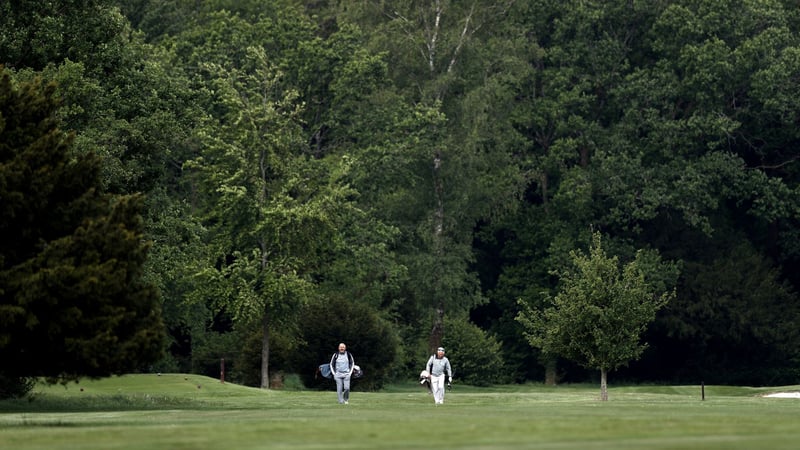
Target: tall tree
[[600, 312], [73, 301], [452, 178], [548, 106], [127, 102], [271, 210]]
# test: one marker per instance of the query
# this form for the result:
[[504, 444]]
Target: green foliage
[[271, 210], [36, 33], [433, 159], [72, 294], [734, 313], [473, 353], [370, 339], [600, 312], [15, 386], [246, 346], [363, 266]]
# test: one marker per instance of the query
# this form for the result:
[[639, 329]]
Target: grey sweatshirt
[[438, 366]]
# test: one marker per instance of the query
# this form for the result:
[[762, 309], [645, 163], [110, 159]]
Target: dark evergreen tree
[[72, 299]]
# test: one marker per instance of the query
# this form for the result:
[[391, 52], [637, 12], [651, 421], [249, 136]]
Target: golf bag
[[324, 370], [425, 380]]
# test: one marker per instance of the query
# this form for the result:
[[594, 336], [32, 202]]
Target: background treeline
[[397, 174]]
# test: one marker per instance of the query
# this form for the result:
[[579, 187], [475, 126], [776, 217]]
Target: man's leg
[[346, 393], [436, 383], [339, 387]]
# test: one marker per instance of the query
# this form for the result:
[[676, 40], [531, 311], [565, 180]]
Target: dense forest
[[403, 174]]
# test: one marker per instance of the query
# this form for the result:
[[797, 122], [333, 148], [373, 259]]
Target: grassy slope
[[192, 412]]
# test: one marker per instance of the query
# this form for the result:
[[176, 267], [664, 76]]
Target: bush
[[14, 386], [474, 355], [368, 337]]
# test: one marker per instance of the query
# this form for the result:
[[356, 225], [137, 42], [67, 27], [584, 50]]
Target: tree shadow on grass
[[128, 402]]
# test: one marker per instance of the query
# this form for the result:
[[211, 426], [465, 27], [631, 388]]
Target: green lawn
[[175, 411]]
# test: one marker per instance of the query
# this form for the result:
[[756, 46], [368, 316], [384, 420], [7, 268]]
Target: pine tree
[[72, 299]]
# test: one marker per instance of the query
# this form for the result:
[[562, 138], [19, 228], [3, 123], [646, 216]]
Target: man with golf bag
[[437, 365], [341, 367]]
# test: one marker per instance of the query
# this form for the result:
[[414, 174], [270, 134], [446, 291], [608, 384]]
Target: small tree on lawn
[[598, 315]]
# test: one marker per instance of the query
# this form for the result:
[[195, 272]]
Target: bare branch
[[407, 28], [776, 166]]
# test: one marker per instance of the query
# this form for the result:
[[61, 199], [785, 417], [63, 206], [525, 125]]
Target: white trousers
[[342, 386], [437, 385]]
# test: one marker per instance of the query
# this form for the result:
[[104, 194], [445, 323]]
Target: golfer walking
[[342, 369], [437, 366]]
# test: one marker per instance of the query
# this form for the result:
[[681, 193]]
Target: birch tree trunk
[[437, 331], [440, 32]]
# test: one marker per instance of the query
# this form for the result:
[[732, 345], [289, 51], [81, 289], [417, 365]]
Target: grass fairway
[[175, 411]]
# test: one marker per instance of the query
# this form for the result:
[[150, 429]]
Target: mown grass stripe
[[171, 412]]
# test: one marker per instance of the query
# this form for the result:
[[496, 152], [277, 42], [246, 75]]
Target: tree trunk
[[437, 331], [550, 368], [584, 154], [543, 180], [603, 385], [265, 351]]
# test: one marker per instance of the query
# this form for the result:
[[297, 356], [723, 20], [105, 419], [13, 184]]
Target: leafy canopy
[[600, 312]]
